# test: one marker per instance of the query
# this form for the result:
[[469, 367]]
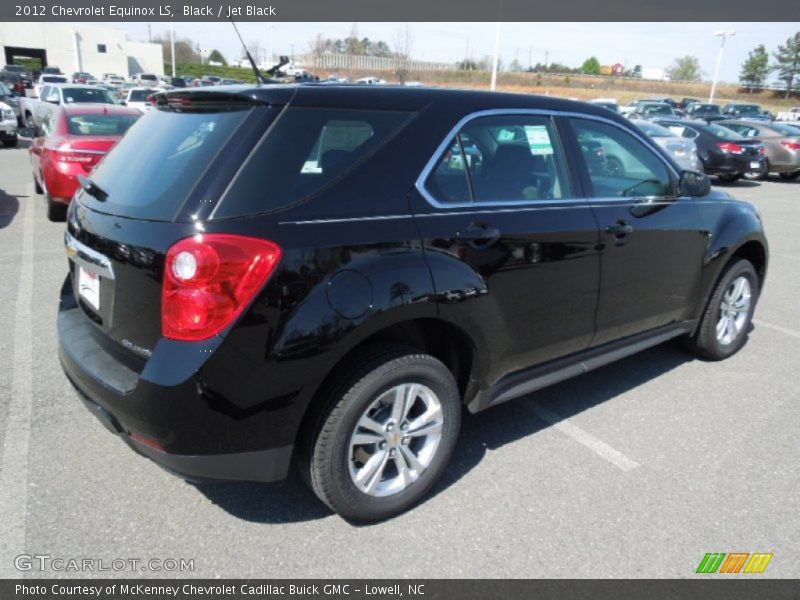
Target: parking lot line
[[598, 446], [785, 330], [14, 456]]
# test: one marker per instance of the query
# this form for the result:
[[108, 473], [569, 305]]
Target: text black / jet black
[[329, 273]]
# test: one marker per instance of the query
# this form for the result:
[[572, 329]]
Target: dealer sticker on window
[[89, 287]]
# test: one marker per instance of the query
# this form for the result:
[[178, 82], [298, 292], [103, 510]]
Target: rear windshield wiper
[[91, 188]]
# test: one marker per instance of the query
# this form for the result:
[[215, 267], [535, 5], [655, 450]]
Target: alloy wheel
[[733, 310]]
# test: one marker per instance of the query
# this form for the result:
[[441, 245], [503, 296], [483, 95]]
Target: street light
[[724, 35]]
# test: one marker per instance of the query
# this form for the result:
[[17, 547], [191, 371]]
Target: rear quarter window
[[304, 151], [103, 124]]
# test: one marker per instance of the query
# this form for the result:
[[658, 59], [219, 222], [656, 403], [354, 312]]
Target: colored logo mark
[[734, 562]]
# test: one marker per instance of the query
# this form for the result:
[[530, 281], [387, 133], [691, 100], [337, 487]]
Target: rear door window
[[100, 124], [304, 151]]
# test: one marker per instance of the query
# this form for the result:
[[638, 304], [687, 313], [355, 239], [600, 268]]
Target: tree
[[403, 43], [686, 68], [216, 56], [788, 66], [756, 68], [185, 49], [591, 66]]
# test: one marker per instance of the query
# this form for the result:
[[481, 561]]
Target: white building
[[78, 47]]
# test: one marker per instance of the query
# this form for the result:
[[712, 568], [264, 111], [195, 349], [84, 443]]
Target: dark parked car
[[268, 281], [178, 82], [746, 111], [781, 143], [21, 72], [723, 152], [704, 112]]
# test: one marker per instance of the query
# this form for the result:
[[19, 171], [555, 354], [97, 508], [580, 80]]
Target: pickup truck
[[35, 110]]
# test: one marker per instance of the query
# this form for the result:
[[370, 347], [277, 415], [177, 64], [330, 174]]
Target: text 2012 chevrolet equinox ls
[[328, 273]]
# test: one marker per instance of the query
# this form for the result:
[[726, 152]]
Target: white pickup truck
[[793, 114], [34, 111]]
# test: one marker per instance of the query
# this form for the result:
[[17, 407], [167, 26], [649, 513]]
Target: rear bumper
[[718, 164], [173, 425]]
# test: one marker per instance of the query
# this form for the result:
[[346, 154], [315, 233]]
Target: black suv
[[330, 273]]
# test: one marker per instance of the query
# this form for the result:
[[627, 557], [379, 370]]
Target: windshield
[[657, 109], [100, 124], [153, 184], [84, 95], [706, 108], [148, 77], [4, 91], [654, 130], [747, 109], [140, 95], [15, 68], [53, 79]]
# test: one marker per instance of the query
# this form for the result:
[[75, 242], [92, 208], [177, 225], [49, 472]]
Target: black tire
[[760, 175], [11, 142], [729, 177], [56, 211], [790, 176], [37, 186], [328, 455], [705, 342]]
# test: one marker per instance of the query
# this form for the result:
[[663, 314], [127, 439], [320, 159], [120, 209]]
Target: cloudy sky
[[648, 44]]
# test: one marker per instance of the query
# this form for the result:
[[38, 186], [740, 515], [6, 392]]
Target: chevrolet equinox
[[327, 274]]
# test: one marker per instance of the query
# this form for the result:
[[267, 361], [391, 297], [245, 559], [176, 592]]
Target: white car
[[8, 126], [114, 80], [370, 81], [609, 103], [45, 79], [138, 98], [145, 79]]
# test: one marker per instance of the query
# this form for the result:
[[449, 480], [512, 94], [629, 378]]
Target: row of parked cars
[[738, 140]]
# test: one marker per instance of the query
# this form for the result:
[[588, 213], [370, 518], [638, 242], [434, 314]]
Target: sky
[[648, 44]]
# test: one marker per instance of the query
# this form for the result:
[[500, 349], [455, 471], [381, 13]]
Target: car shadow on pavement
[[292, 501], [9, 206]]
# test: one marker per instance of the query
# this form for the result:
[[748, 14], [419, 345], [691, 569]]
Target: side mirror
[[694, 184], [27, 132]]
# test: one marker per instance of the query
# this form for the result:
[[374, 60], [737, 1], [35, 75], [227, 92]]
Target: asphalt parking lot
[[634, 470]]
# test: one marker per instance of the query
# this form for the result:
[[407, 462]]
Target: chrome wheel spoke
[[370, 474], [426, 424], [412, 461], [360, 439], [370, 424], [403, 470], [404, 398]]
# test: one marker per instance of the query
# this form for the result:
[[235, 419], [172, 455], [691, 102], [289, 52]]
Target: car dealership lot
[[635, 470]]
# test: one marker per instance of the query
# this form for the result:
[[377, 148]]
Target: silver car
[[781, 143], [682, 150]]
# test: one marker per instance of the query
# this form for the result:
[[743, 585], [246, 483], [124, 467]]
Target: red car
[[74, 138]]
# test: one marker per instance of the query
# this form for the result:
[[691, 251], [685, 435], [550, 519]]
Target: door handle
[[478, 233], [619, 229]]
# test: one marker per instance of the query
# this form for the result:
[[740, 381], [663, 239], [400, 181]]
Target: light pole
[[723, 34], [496, 58]]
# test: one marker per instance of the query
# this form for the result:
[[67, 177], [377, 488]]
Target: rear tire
[[790, 176], [729, 177], [37, 186], [56, 211], [11, 142], [386, 434], [760, 175], [726, 321]]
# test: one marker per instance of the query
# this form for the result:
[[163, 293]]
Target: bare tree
[[403, 43], [317, 47]]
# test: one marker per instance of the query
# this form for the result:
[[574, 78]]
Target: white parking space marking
[[598, 446], [774, 327], [14, 456]]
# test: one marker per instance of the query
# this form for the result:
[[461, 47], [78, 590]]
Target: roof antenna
[[259, 77]]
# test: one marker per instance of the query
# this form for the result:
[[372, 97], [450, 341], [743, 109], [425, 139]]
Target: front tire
[[386, 434], [790, 176], [724, 326], [11, 142]]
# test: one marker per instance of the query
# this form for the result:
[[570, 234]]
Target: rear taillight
[[792, 145], [730, 148], [70, 155], [209, 279]]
